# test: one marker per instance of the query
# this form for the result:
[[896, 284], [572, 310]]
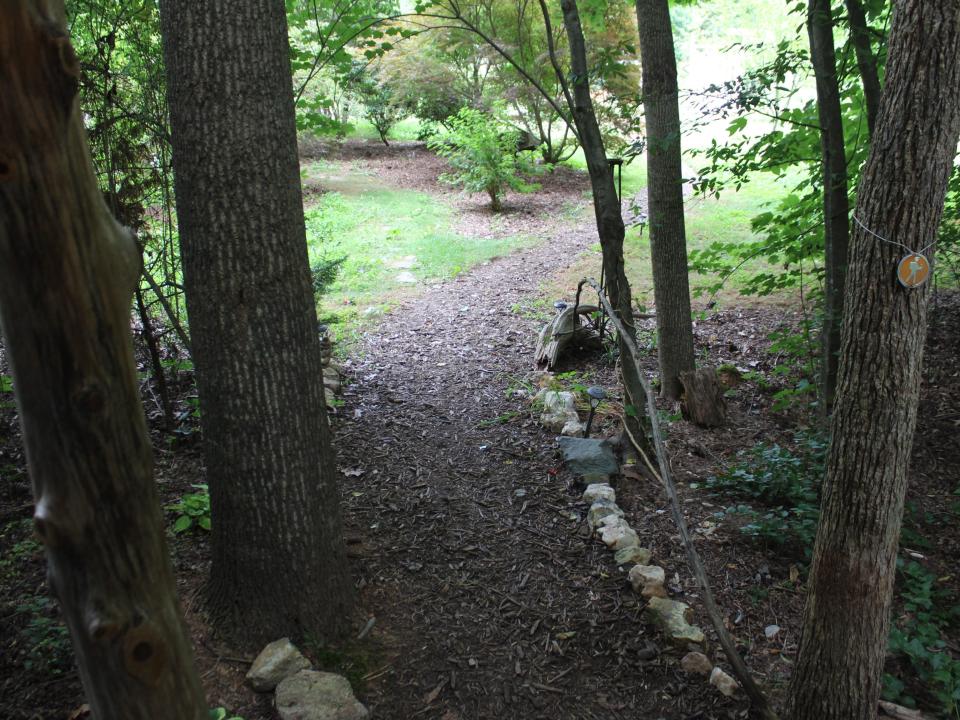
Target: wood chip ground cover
[[467, 538]]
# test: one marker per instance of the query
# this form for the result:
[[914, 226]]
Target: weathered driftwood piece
[[753, 691], [702, 401], [67, 275], [566, 330]]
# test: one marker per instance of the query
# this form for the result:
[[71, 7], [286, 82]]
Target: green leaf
[[182, 524]]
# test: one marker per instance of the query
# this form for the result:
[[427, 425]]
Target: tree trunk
[[901, 197], [279, 563], [606, 203], [866, 60], [67, 275], [835, 204], [668, 239]]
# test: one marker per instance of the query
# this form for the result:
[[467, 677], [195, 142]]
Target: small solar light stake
[[560, 305], [597, 395]]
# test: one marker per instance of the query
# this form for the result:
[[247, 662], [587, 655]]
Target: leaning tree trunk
[[279, 563], [901, 196], [67, 274], [606, 203], [668, 239], [836, 228]]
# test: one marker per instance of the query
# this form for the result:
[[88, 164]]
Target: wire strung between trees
[[753, 691], [892, 242]]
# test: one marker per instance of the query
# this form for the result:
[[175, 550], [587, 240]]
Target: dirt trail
[[491, 600]]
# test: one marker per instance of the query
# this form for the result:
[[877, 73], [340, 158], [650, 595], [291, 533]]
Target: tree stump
[[702, 402], [566, 331]]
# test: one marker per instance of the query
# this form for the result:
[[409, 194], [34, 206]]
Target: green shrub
[[193, 510], [785, 484], [482, 150], [919, 638]]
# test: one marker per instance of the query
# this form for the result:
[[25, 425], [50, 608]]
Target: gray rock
[[648, 580], [406, 277], [674, 617], [312, 695], [559, 410], [331, 380], [696, 663], [601, 509], [635, 554], [599, 491], [723, 682], [588, 456], [277, 661]]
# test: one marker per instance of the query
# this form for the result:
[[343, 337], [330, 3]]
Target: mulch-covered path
[[490, 598]]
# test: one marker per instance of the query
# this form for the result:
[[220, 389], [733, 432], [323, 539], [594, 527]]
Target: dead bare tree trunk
[[67, 275], [901, 197]]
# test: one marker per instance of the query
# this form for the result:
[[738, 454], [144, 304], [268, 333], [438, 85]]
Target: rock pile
[[301, 692]]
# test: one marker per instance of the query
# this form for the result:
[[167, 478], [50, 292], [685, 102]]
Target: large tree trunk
[[901, 198], [668, 239], [606, 203], [836, 228], [279, 563], [67, 274]]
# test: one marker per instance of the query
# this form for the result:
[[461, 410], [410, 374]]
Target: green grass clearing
[[406, 129], [394, 242]]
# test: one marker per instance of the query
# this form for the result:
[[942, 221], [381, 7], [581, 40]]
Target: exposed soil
[[467, 536]]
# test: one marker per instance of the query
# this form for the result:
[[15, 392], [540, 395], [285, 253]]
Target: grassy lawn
[[707, 220], [394, 242], [406, 129]]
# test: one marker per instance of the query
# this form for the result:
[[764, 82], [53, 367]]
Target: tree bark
[[606, 203], [901, 197], [866, 60], [279, 562], [668, 239], [836, 228], [67, 275]]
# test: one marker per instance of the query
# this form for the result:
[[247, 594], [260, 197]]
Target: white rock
[[277, 661], [406, 277], [617, 537], [599, 491], [696, 663], [599, 510], [558, 409], [637, 555], [573, 428], [648, 580], [674, 617], [723, 682], [771, 631], [312, 695]]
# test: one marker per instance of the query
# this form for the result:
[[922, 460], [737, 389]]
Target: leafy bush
[[482, 149], [787, 484], [919, 638], [193, 510]]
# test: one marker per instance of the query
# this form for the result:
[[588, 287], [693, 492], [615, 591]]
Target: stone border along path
[[468, 541], [606, 521]]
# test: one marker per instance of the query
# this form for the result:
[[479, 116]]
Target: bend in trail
[[491, 599]]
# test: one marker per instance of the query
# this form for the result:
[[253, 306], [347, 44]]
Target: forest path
[[491, 599]]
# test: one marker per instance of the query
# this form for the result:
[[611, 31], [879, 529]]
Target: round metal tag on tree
[[913, 270]]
